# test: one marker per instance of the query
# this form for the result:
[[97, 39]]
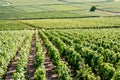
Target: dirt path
[[31, 60], [12, 67], [49, 67], [108, 12]]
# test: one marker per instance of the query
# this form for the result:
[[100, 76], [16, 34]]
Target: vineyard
[[84, 23], [71, 54], [59, 40]]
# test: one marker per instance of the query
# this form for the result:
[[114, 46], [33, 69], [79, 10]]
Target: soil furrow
[[49, 67], [31, 60]]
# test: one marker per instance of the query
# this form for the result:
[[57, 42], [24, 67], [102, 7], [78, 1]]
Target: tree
[[93, 8]]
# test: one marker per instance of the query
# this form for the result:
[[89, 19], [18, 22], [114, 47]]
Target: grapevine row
[[9, 45], [74, 59], [23, 60], [40, 73], [86, 53], [61, 68]]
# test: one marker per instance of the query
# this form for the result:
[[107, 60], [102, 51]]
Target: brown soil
[[73, 72], [12, 66], [31, 60], [49, 67]]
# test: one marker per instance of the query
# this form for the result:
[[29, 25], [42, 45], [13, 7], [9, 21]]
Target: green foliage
[[63, 72], [86, 74], [117, 75], [106, 71], [13, 25], [39, 59], [23, 60], [19, 76], [86, 23], [100, 60], [93, 8], [10, 41], [61, 68], [40, 73]]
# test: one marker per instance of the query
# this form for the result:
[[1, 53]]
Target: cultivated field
[[59, 40], [24, 9]]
